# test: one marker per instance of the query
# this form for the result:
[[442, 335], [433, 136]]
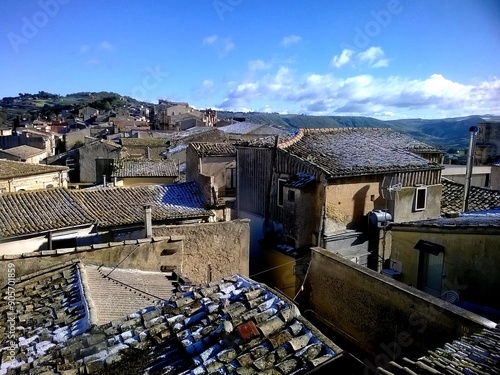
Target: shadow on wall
[[358, 210]]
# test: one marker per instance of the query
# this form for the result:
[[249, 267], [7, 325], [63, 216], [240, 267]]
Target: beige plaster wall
[[346, 204], [225, 246], [40, 181], [386, 318]]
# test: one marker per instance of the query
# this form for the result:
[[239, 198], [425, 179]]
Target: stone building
[[317, 186], [20, 176], [488, 142]]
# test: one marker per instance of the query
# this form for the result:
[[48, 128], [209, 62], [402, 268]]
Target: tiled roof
[[145, 168], [233, 326], [37, 211], [43, 210], [49, 309], [214, 149], [12, 169], [468, 220], [251, 128], [116, 293], [479, 198], [143, 142], [359, 151], [23, 151], [476, 354], [117, 206]]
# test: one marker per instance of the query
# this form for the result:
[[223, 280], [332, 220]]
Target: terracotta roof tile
[[479, 198]]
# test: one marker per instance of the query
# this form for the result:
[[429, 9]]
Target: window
[[281, 188], [420, 198], [291, 195]]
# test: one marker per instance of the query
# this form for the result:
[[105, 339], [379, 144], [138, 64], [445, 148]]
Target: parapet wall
[[149, 254], [382, 316]]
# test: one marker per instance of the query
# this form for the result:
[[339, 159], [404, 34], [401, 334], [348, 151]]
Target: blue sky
[[386, 59]]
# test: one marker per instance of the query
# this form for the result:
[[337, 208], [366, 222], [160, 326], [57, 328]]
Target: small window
[[281, 188], [291, 195], [420, 198]]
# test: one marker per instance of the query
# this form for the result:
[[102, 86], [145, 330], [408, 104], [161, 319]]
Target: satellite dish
[[390, 187]]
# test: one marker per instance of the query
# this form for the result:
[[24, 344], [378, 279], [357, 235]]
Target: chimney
[[149, 153], [470, 164], [147, 221]]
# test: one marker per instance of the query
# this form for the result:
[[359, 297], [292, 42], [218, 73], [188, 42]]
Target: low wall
[[149, 254], [382, 316], [225, 246], [189, 249]]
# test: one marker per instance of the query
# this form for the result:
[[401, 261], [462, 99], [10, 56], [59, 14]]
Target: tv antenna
[[390, 187]]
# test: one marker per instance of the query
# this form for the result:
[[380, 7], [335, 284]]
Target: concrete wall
[[385, 318], [72, 137], [495, 177], [41, 181], [404, 204], [470, 263], [223, 245], [88, 155]]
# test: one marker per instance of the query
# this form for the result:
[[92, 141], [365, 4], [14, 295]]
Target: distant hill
[[443, 133]]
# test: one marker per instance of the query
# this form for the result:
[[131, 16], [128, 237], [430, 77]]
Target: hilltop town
[[165, 239]]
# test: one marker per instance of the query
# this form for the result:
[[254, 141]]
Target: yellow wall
[[471, 260], [280, 272], [346, 204], [139, 181]]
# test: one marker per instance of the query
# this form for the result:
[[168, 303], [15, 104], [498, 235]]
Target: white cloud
[[344, 58], [373, 57], [105, 46], [212, 39], [290, 40], [365, 95], [256, 65], [222, 45]]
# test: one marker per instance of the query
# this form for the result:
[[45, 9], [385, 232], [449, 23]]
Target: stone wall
[[221, 249], [40, 181], [380, 315]]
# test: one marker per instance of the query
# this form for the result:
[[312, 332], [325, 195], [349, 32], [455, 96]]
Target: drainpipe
[[104, 180], [148, 221], [470, 164]]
